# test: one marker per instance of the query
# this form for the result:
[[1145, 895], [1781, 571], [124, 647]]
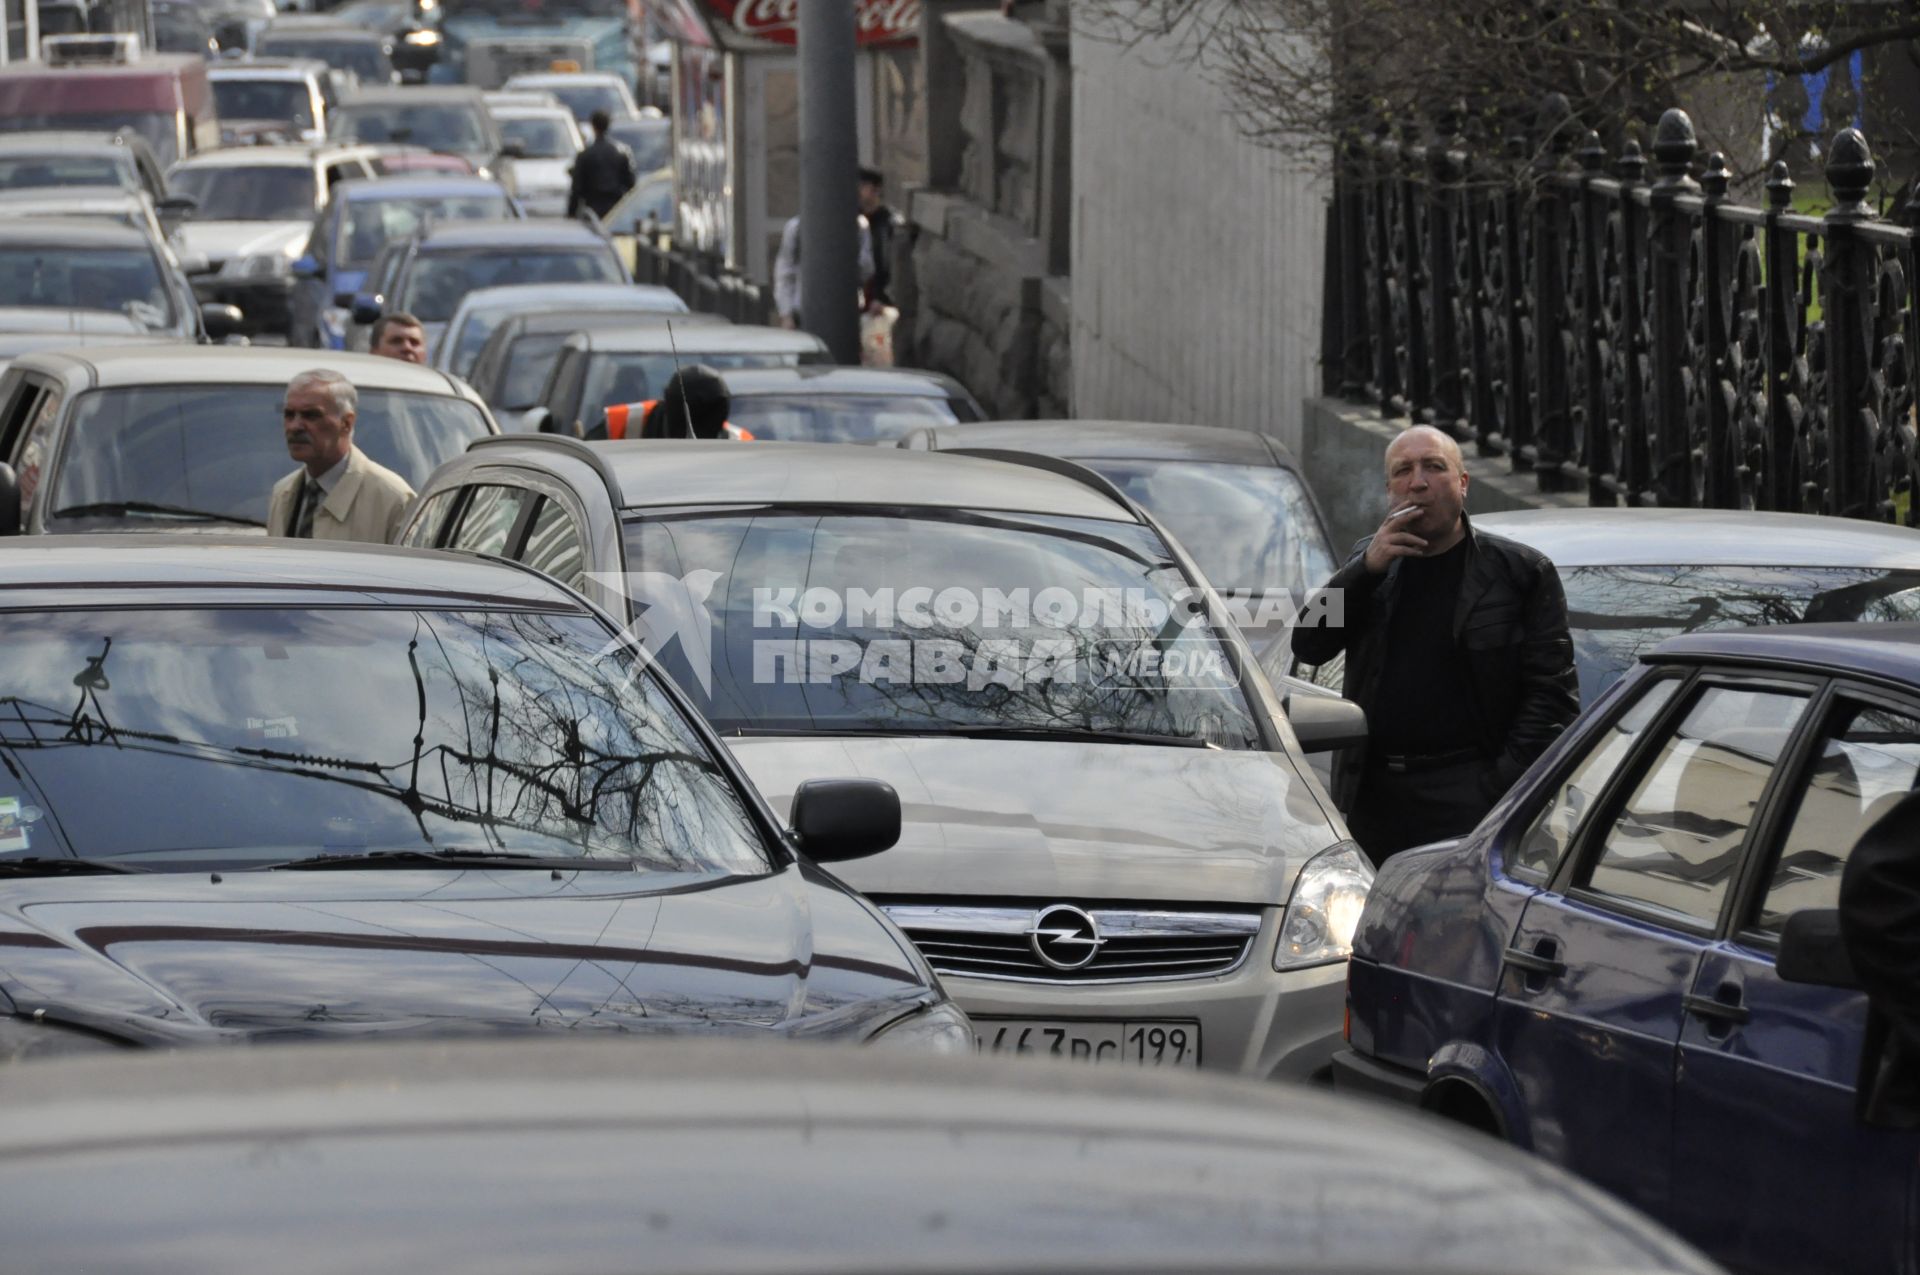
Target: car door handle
[[1534, 963], [1716, 1010]]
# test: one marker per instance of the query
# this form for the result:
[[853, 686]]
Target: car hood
[[219, 240], [543, 174], [189, 958], [1021, 819]]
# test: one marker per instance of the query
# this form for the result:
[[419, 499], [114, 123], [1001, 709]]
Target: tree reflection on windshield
[[250, 737]]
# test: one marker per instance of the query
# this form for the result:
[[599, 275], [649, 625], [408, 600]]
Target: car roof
[[707, 338], [118, 198], [819, 378], [1888, 650], [32, 565], [737, 1156], [32, 142], [278, 70], [79, 232], [261, 157], [529, 111], [531, 300], [561, 79], [532, 232], [415, 186], [1704, 537], [329, 32], [380, 95], [110, 366], [659, 473], [1115, 440]]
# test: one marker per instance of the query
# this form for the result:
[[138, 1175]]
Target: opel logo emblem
[[1064, 937]]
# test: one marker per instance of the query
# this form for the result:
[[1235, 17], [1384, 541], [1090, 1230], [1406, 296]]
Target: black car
[[299, 791], [512, 368]]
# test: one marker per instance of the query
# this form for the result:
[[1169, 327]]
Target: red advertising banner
[[874, 21]]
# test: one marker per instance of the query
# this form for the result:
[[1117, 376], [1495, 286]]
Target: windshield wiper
[[118, 508], [1064, 734], [364, 859], [44, 866]]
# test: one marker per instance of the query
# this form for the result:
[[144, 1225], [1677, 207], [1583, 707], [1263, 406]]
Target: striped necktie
[[310, 498]]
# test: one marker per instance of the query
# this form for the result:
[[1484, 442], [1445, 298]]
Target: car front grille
[[1127, 945]]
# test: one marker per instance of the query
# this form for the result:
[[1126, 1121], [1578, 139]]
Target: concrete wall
[[1197, 255]]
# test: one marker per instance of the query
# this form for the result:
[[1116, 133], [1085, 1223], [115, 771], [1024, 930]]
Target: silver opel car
[[1112, 850]]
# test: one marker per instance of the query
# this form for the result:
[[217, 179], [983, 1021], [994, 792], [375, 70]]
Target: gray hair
[[345, 398]]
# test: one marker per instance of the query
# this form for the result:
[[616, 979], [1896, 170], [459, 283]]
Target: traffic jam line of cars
[[892, 727]]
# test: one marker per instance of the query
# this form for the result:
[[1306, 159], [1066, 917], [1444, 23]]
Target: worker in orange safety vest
[[694, 404]]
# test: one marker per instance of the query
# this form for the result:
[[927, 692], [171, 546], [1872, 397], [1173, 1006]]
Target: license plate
[[1140, 1044]]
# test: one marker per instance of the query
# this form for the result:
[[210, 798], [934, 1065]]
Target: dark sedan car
[[726, 1158], [430, 276], [844, 404], [513, 367], [1236, 500], [304, 791], [1603, 970]]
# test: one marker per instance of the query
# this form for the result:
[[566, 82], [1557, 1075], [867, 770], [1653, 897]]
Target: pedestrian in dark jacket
[[882, 222], [603, 172], [1456, 644], [1880, 924]]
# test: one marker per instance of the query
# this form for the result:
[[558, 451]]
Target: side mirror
[[1813, 951], [220, 321], [176, 207], [343, 300], [1326, 724], [366, 308], [194, 263], [9, 501], [513, 150], [840, 819], [306, 268]]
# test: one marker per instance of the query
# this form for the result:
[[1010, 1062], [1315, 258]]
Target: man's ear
[[1465, 479]]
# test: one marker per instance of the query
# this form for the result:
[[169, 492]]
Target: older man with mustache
[[338, 493]]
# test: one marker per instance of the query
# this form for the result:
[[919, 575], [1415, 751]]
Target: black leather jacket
[[1511, 622], [1880, 924]]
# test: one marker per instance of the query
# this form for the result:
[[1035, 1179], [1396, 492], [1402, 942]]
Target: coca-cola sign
[[874, 21]]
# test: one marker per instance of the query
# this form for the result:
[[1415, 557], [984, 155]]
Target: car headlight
[[1324, 911], [22, 1038], [944, 1029]]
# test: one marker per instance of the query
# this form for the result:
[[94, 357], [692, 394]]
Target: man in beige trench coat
[[339, 492]]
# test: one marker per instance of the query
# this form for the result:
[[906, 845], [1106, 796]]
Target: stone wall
[[979, 271]]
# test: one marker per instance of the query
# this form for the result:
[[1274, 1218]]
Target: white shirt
[[786, 265]]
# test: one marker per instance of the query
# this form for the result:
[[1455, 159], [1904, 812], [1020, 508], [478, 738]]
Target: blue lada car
[[1596, 971]]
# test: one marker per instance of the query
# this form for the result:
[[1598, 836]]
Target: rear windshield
[[48, 276], [289, 101], [365, 60], [267, 192], [632, 378], [437, 126], [371, 223], [219, 449], [435, 287], [541, 137], [22, 171], [838, 418]]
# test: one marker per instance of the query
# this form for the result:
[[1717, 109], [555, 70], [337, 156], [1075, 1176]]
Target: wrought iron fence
[[700, 279], [1650, 341]]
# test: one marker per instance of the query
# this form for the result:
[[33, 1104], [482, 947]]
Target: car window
[[438, 281], [1868, 759], [35, 447], [554, 545], [1539, 851], [251, 192], [1676, 844], [424, 531], [837, 418], [489, 519]]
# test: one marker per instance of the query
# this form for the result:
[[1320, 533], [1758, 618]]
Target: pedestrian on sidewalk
[[1456, 644], [786, 272], [602, 173]]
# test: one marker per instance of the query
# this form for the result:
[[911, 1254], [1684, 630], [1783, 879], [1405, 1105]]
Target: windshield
[[651, 142], [245, 737], [926, 622], [1618, 613], [837, 418], [1249, 527], [266, 192], [371, 223], [160, 130], [441, 127], [438, 281], [542, 137], [219, 448], [632, 378], [47, 276], [584, 99], [366, 59], [18, 172], [285, 100], [529, 363]]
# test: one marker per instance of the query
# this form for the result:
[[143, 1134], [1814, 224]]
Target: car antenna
[[686, 403]]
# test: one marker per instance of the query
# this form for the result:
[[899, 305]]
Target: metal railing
[[702, 280], [1650, 342]]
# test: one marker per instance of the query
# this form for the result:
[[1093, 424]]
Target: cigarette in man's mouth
[[1402, 512]]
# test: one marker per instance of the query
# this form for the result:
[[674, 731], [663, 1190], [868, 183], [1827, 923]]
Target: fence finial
[[1593, 155], [1674, 146], [1715, 177], [1779, 186], [1632, 165], [1849, 174]]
